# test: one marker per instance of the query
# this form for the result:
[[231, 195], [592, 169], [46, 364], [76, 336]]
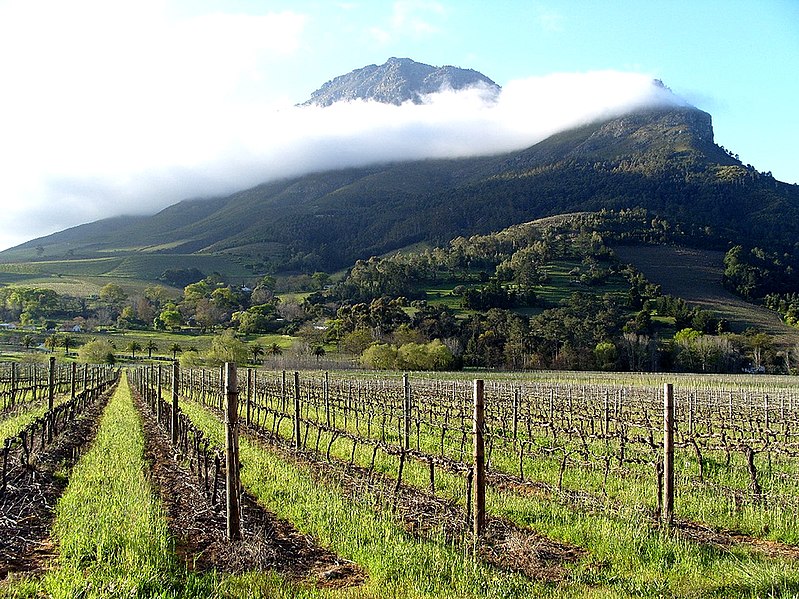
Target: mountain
[[661, 159], [396, 81]]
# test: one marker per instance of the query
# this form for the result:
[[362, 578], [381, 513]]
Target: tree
[[319, 352], [605, 354], [256, 351], [150, 347], [52, 341], [169, 318], [27, 342], [380, 356], [424, 356], [357, 341], [113, 294], [226, 348], [97, 351], [175, 349], [274, 350], [67, 342], [133, 347]]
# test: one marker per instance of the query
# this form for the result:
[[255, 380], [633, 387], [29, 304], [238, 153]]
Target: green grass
[[628, 556], [398, 564], [11, 425], [111, 532]]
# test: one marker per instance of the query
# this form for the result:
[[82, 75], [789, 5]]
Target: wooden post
[[406, 409], [50, 399], [158, 395], [516, 394], [479, 460], [326, 391], [232, 452], [297, 437], [668, 454], [72, 380], [283, 392], [175, 381], [13, 382], [51, 384], [249, 396]]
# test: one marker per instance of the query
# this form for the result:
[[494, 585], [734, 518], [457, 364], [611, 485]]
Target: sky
[[110, 107]]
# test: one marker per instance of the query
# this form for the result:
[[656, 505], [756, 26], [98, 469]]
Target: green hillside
[[663, 160]]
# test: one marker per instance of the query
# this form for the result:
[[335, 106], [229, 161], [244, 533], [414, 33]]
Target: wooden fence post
[[283, 391], [158, 395], [13, 382], [50, 398], [51, 384], [72, 380], [668, 454], [516, 401], [479, 460], [232, 452], [249, 396], [297, 436], [327, 398], [406, 409], [175, 382]]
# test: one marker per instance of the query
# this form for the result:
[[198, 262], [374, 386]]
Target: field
[[695, 276], [354, 486], [137, 269]]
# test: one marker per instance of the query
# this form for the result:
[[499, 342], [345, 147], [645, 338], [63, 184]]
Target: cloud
[[144, 165], [110, 111]]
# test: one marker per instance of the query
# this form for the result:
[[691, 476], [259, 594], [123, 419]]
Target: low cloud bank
[[137, 159]]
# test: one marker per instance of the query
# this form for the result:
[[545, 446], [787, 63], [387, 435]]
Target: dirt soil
[[27, 509], [423, 514], [268, 543]]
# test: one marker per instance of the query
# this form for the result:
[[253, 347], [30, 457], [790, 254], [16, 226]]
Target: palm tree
[[256, 350], [150, 347], [27, 342], [67, 342], [133, 347], [274, 350], [175, 349], [319, 352], [51, 342]]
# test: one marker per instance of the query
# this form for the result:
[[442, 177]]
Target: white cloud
[[110, 108], [126, 160]]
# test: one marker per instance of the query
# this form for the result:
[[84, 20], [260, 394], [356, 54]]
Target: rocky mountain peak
[[396, 81]]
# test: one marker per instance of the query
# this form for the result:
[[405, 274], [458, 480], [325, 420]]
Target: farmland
[[364, 481], [695, 275]]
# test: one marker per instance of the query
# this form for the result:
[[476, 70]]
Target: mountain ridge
[[662, 158]]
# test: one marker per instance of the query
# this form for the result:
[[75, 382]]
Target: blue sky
[[123, 107]]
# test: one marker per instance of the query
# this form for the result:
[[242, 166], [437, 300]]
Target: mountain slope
[[661, 159]]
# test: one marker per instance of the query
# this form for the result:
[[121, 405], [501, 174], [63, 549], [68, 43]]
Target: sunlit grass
[[398, 564]]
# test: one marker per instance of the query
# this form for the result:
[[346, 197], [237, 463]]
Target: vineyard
[[270, 483]]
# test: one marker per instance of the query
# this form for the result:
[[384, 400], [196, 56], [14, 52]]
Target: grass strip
[[398, 564], [111, 531], [628, 558]]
